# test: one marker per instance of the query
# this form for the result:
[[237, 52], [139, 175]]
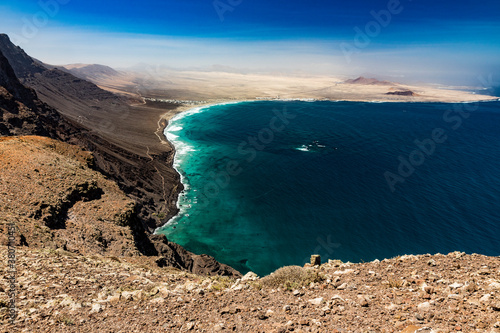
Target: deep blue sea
[[269, 183]]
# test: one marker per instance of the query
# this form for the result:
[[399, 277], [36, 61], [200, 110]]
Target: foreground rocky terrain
[[59, 291]]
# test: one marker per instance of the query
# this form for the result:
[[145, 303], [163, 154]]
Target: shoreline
[[166, 120]]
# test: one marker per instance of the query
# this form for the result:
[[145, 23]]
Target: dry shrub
[[291, 277], [394, 283], [221, 282]]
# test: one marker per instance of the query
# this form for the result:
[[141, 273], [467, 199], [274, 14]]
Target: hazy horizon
[[410, 41]]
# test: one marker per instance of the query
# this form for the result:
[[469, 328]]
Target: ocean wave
[[175, 128], [303, 148]]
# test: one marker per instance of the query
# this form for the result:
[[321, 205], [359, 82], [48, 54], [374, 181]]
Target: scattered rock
[[343, 286], [425, 306], [315, 260], [455, 285], [96, 308], [410, 329], [250, 276], [316, 301]]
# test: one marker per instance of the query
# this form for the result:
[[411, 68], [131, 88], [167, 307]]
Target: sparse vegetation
[[221, 283], [113, 258], [395, 283], [66, 320], [291, 277]]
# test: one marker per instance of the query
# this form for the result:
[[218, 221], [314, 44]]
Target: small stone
[[304, 322], [316, 301], [431, 263], [190, 326], [315, 259], [494, 285], [269, 313], [426, 296], [495, 306], [470, 287], [225, 310], [410, 329], [287, 308], [364, 303], [250, 276], [343, 286], [485, 298], [458, 328], [455, 285], [114, 298], [429, 289], [157, 300], [335, 263], [127, 295], [425, 306], [262, 316], [419, 317], [96, 308]]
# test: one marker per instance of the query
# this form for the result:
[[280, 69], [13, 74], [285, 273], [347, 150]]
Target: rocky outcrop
[[174, 255], [58, 201], [402, 93]]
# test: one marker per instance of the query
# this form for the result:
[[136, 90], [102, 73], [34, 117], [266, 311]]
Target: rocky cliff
[[62, 201], [104, 121]]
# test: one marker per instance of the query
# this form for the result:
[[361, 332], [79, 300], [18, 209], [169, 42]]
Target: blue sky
[[419, 40]]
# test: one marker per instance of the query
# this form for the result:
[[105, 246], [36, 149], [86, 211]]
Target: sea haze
[[269, 183]]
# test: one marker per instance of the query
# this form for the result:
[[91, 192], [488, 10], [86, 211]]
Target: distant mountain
[[74, 97], [369, 81], [94, 73]]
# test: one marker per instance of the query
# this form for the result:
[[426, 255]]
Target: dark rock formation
[[174, 255], [402, 93]]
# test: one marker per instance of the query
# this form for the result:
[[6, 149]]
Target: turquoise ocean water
[[269, 183]]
